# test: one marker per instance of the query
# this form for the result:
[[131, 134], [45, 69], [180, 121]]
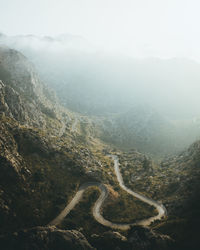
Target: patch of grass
[[81, 216], [127, 209]]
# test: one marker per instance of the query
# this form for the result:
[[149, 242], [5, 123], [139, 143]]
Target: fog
[[139, 28], [92, 78], [110, 58], [99, 124]]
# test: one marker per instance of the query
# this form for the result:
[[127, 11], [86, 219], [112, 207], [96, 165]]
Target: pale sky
[[139, 28]]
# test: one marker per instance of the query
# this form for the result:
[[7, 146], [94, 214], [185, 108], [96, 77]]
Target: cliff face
[[23, 96]]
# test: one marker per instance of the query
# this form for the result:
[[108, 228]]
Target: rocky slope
[[45, 238], [174, 182], [50, 238], [42, 162], [46, 152], [141, 127], [145, 129], [24, 97], [113, 87]]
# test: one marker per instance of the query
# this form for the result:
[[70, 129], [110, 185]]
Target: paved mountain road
[[103, 196]]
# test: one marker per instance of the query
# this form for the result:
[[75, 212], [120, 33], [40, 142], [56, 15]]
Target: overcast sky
[[139, 28]]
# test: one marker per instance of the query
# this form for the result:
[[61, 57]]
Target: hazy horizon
[[99, 124], [157, 28], [112, 53], [102, 80]]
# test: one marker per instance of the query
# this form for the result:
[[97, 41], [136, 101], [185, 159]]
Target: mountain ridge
[[47, 152]]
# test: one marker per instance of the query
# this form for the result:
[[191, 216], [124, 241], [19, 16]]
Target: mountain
[[47, 152], [140, 127], [115, 89], [23, 96], [175, 182], [148, 131], [42, 160], [87, 81], [60, 42]]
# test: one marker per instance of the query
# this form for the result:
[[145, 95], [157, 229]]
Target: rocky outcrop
[[142, 238], [51, 238], [10, 160], [45, 238], [11, 104], [23, 96], [138, 238], [109, 240]]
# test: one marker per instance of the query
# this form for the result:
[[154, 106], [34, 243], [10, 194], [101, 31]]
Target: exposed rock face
[[19, 73], [45, 238], [8, 149], [11, 104], [23, 96]]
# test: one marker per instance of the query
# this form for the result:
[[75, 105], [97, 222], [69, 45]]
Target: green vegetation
[[126, 209], [81, 216]]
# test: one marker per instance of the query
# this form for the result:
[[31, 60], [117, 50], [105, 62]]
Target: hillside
[[47, 152], [144, 104], [41, 158], [95, 82], [175, 183]]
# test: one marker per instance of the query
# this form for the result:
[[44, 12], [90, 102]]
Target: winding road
[[104, 194]]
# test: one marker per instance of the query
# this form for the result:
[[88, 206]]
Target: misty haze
[[100, 125]]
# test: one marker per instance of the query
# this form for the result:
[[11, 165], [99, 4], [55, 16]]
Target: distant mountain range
[[91, 81], [114, 88], [60, 42]]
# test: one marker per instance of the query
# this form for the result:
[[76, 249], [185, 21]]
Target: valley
[[57, 183], [104, 194]]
